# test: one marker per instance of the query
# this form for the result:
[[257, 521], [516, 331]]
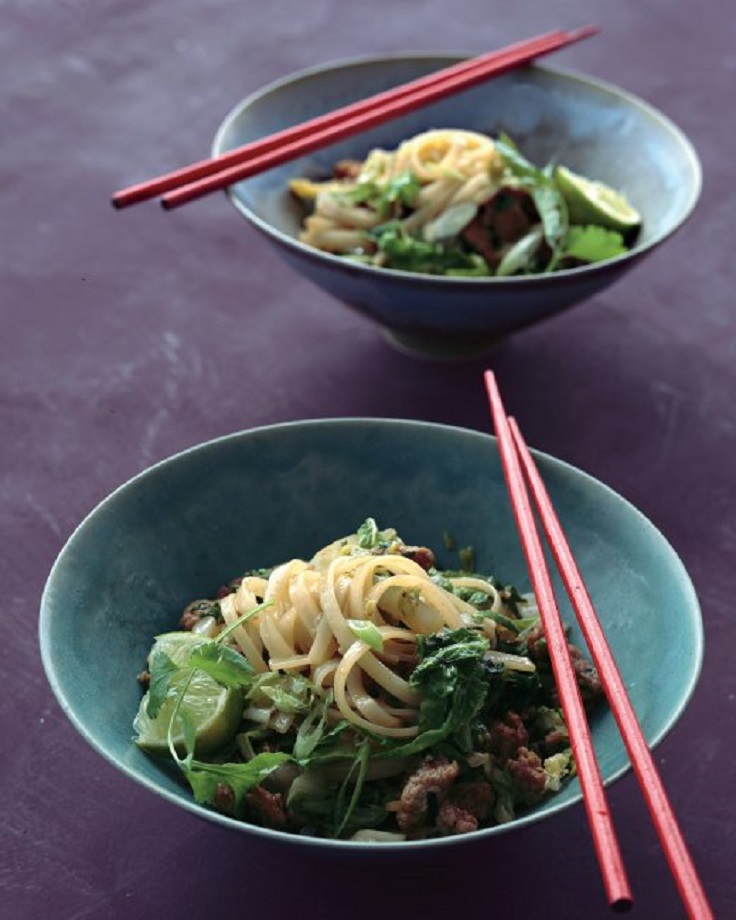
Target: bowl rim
[[448, 281], [339, 847]]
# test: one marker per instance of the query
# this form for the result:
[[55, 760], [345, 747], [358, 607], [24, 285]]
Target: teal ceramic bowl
[[592, 127], [191, 523]]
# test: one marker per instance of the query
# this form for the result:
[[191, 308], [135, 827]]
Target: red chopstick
[[606, 845], [516, 454], [217, 173], [660, 809]]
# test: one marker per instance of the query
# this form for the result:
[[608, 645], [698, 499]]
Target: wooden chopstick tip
[[126, 197], [489, 378], [493, 391], [583, 32]]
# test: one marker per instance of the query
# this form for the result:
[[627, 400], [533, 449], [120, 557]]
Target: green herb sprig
[[231, 670]]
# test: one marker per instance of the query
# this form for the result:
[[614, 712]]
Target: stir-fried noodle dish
[[456, 202], [364, 694]]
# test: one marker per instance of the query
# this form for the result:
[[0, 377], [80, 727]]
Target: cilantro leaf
[[162, 669], [363, 193], [402, 189], [593, 244], [223, 664], [204, 778], [405, 252]]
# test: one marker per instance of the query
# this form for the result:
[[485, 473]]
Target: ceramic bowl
[[189, 524], [594, 128]]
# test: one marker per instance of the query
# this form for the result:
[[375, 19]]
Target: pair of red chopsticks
[[519, 469], [190, 182]]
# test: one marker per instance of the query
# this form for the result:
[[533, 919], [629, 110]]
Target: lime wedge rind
[[591, 201], [214, 710]]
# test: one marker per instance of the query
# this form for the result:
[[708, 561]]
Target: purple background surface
[[125, 337]]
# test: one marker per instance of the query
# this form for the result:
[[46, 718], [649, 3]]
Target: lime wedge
[[592, 202], [214, 711]]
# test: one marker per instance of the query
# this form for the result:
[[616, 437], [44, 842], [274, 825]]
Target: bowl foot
[[437, 346]]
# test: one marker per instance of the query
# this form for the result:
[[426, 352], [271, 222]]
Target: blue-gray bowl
[[594, 128], [189, 524]]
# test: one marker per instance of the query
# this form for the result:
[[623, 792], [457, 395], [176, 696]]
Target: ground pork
[[193, 613], [588, 679], [434, 799], [506, 735], [454, 820], [467, 806], [265, 808], [432, 781], [526, 772], [422, 555]]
